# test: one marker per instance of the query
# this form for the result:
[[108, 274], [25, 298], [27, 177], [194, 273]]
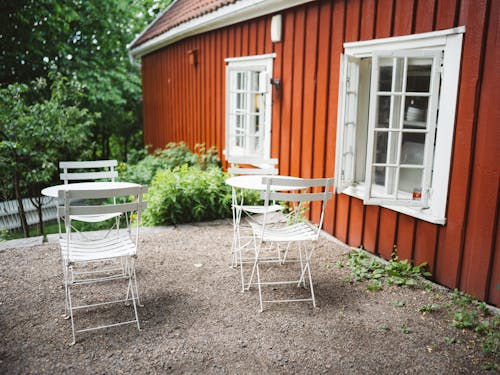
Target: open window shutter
[[401, 128], [230, 84], [347, 122]]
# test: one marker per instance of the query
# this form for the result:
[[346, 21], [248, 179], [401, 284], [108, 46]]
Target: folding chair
[[242, 165], [87, 171], [100, 261], [296, 193]]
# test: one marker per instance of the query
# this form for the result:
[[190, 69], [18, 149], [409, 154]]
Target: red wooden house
[[398, 99]]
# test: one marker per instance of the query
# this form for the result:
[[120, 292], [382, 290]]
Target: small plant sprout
[[450, 340], [406, 330], [398, 303], [428, 308]]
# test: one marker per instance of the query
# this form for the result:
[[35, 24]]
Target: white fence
[[9, 212]]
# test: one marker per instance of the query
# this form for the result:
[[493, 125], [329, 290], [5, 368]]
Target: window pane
[[412, 149], [240, 122], [385, 79], [419, 75], [384, 182], [379, 176], [254, 125], [380, 147], [410, 181], [254, 81], [383, 110], [256, 144], [256, 99], [241, 101], [416, 111], [241, 80]]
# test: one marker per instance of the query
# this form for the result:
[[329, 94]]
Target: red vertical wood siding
[[183, 102]]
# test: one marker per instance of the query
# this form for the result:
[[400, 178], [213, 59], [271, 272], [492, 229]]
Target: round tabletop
[[53, 191], [254, 182]]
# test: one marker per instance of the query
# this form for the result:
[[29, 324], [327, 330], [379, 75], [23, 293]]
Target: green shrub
[[173, 155], [187, 194]]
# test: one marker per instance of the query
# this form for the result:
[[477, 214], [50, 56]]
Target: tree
[[87, 39], [36, 131]]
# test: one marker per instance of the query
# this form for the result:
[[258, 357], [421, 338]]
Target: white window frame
[[264, 65], [450, 43]]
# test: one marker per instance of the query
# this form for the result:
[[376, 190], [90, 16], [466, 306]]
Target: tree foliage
[[36, 130], [86, 39]]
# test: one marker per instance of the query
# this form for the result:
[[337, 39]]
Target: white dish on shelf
[[415, 114]]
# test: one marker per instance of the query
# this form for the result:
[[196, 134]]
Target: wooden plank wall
[[184, 102]]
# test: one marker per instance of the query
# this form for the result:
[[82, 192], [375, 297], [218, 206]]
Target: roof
[[178, 12], [184, 18]]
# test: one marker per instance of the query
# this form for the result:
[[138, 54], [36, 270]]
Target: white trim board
[[240, 11]]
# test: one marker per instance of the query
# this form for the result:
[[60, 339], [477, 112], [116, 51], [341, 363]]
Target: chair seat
[[83, 250], [94, 218], [260, 209], [295, 232]]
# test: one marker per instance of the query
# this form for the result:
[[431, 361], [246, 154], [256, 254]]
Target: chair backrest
[[297, 192], [124, 200], [98, 170], [252, 166]]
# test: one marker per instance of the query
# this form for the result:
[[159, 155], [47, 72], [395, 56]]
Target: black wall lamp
[[276, 83]]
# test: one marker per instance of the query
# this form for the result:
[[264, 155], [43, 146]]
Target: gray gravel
[[195, 320]]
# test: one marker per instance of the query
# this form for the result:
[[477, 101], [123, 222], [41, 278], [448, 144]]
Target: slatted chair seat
[[99, 249], [297, 231]]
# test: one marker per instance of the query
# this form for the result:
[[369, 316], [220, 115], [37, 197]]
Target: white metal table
[[53, 191], [238, 184]]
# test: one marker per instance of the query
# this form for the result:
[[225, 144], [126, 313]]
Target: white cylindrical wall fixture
[[276, 28]]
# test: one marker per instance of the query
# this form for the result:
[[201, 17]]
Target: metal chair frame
[[89, 261], [242, 165], [297, 230]]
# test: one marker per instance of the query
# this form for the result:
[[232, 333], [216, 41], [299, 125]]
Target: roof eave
[[240, 11]]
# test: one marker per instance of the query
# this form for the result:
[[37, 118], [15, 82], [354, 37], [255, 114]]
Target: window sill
[[425, 214]]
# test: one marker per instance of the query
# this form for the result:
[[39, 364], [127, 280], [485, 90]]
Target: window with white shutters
[[396, 114], [248, 106]]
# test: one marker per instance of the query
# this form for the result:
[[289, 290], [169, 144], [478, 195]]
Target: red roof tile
[[179, 12]]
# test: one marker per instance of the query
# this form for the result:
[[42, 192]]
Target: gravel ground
[[195, 320]]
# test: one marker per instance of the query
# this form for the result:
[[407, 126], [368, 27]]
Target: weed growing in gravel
[[428, 308], [450, 340], [394, 272], [468, 313], [406, 330], [398, 303]]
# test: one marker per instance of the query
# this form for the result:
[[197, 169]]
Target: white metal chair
[[89, 261], [78, 171], [243, 165], [298, 194]]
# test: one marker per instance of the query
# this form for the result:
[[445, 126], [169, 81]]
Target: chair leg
[[134, 300], [311, 283], [71, 316], [242, 273], [301, 279], [136, 288], [256, 254], [259, 285]]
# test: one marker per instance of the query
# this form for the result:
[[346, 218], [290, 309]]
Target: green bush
[[188, 194], [173, 155]]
